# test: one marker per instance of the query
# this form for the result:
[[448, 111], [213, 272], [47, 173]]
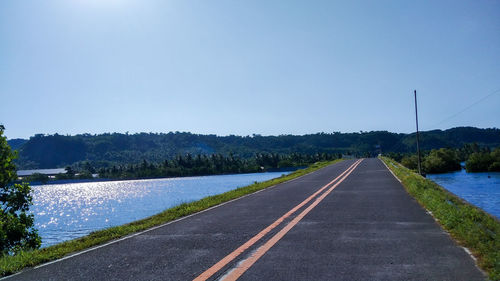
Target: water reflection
[[68, 211]]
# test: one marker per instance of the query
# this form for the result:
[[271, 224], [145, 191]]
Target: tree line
[[443, 160], [189, 165], [105, 150], [202, 164]]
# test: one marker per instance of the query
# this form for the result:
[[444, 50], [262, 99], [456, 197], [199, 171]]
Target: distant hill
[[51, 151], [16, 144]]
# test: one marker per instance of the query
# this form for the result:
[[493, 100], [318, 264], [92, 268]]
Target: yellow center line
[[227, 259], [246, 264]]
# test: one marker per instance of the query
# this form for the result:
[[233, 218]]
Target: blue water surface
[[479, 189], [67, 211]]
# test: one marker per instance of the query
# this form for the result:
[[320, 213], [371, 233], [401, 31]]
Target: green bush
[[16, 223], [441, 160], [495, 167], [484, 161], [410, 162], [478, 162]]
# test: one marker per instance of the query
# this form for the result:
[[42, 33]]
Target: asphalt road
[[363, 226]]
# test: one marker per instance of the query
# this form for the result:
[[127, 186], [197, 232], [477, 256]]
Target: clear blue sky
[[244, 67]]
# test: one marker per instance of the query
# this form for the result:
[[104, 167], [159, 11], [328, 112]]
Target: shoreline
[[69, 181]]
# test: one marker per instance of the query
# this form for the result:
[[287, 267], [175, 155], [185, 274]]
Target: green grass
[[468, 225], [12, 264]]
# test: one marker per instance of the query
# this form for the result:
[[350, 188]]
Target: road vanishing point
[[349, 221]]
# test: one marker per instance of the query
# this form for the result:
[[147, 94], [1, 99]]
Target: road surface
[[349, 221]]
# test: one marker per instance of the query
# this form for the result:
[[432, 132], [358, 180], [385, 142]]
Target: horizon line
[[249, 135]]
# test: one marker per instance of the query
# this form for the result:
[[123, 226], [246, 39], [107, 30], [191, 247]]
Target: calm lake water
[[479, 189], [68, 211]]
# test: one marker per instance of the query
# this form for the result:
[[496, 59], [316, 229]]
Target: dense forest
[[116, 149]]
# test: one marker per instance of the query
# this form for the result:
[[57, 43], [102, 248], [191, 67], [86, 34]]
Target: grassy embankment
[[470, 226], [12, 264]]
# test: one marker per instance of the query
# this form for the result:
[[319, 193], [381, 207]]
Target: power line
[[399, 143], [465, 109]]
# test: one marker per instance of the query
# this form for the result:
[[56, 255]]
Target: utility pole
[[418, 145]]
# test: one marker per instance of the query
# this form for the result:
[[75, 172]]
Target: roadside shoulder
[[475, 230]]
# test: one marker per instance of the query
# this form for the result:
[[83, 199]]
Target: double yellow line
[[247, 263]]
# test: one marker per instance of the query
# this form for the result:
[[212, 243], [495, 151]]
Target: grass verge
[[470, 226], [12, 264]]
